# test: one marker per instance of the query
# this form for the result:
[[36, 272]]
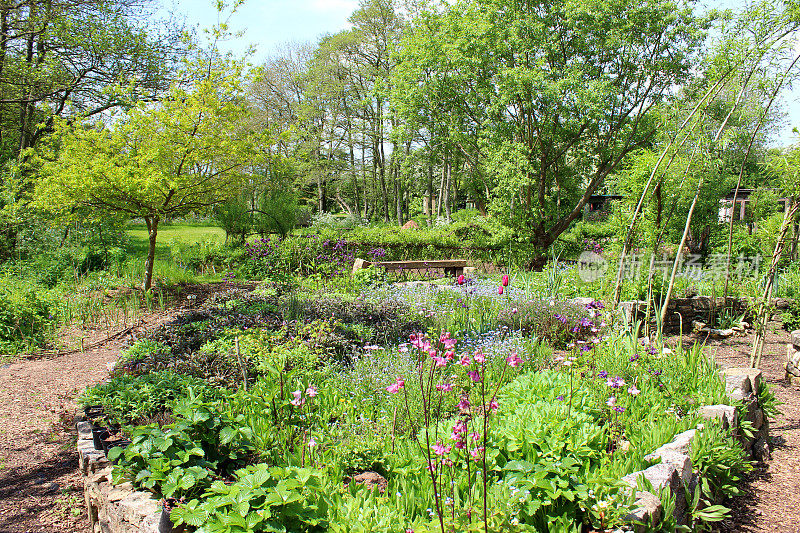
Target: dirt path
[[40, 490], [770, 502]]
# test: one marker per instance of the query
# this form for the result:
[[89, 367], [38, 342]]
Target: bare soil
[[40, 488], [771, 500]]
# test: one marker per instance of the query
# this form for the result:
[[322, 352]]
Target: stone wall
[[683, 312], [793, 359], [112, 509], [673, 466]]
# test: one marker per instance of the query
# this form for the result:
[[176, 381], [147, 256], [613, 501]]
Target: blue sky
[[269, 24]]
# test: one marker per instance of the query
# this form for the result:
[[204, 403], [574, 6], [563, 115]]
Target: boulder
[[753, 374]]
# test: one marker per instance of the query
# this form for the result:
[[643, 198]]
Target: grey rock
[[702, 303], [736, 385], [792, 369], [681, 462], [761, 451], [660, 475], [725, 413], [796, 338], [647, 510], [84, 430], [753, 374], [758, 419]]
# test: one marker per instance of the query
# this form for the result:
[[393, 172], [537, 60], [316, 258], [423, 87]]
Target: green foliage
[[182, 459], [587, 92], [791, 317], [136, 398], [262, 498], [767, 401], [26, 316], [720, 462]]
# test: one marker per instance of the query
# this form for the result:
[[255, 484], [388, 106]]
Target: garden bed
[[481, 421]]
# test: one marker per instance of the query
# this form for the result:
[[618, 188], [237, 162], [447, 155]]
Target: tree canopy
[[188, 151], [543, 100]]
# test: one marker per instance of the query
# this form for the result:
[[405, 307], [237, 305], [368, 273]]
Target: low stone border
[[793, 359], [683, 312], [675, 467], [112, 509]]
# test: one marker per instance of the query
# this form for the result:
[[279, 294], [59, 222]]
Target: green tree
[[185, 153], [544, 99], [58, 58]]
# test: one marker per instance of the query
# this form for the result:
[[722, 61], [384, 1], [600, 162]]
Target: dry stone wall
[[674, 469], [687, 313], [112, 509]]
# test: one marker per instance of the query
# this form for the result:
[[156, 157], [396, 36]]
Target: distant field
[[184, 233]]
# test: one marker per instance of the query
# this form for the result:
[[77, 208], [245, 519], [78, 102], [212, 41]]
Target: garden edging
[[112, 509], [675, 469]]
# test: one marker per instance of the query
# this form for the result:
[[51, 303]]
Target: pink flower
[[500, 289], [445, 387], [513, 360], [479, 357], [312, 442], [298, 398], [505, 281], [440, 361], [441, 449], [633, 391], [465, 360], [395, 387], [311, 391], [477, 453], [475, 436], [446, 341], [493, 406], [463, 405], [460, 280], [474, 376], [409, 530], [612, 401]]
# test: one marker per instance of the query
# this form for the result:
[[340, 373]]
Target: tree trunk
[[152, 233]]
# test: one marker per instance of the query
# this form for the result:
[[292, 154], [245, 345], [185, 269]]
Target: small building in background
[[739, 211], [598, 206]]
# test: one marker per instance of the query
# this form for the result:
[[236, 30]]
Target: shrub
[[553, 321], [26, 318]]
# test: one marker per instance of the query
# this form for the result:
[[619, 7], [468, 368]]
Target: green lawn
[[167, 233]]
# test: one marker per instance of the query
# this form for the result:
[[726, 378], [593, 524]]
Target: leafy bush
[[262, 498], [26, 317], [135, 398], [183, 458], [791, 317]]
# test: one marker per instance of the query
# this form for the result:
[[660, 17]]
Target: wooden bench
[[451, 267]]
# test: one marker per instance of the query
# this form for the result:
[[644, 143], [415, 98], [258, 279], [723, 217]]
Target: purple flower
[[560, 397], [602, 374]]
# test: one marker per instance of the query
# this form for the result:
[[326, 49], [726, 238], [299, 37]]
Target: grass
[[183, 233]]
